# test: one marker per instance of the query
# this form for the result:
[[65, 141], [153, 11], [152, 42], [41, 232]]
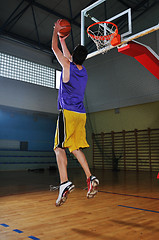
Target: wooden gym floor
[[126, 207]]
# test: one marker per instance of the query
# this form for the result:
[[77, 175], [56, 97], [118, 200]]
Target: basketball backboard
[[131, 24]]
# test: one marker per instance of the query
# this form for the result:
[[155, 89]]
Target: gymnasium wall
[[26, 139], [117, 80], [26, 126], [139, 117], [18, 49], [31, 97], [28, 115], [119, 83], [24, 95]]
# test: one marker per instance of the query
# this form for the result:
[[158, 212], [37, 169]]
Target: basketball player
[[70, 131]]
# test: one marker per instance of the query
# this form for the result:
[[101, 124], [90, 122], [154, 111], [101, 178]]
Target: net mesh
[[102, 34]]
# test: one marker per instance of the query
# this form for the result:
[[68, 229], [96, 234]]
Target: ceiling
[[31, 21]]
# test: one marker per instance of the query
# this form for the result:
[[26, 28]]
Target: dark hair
[[79, 54]]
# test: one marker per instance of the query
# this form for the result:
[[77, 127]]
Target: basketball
[[67, 28]]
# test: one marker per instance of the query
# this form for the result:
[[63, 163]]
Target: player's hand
[[57, 26], [63, 38]]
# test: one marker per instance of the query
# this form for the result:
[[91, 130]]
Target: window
[[58, 75], [27, 71]]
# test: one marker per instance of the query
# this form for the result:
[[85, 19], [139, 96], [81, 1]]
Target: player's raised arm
[[65, 50], [59, 55]]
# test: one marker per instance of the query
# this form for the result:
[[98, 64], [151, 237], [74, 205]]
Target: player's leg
[[61, 159], [66, 186], [82, 160], [92, 181]]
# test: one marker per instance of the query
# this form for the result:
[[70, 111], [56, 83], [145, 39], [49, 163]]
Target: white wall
[[19, 50], [27, 96], [24, 95]]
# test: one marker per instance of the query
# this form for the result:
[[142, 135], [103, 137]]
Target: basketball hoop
[[104, 34]]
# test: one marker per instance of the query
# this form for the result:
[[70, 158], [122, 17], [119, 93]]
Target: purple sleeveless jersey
[[71, 94]]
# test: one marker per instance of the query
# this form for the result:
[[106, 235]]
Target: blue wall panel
[[35, 128]]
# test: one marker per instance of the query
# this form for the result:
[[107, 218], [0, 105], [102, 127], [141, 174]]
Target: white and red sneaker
[[92, 183], [64, 189]]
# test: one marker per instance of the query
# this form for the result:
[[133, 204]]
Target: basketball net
[[102, 34]]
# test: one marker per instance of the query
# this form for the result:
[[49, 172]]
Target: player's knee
[[57, 151], [75, 152]]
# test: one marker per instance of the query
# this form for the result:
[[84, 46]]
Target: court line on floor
[[141, 209], [34, 238], [4, 225], [123, 194], [19, 231], [129, 195]]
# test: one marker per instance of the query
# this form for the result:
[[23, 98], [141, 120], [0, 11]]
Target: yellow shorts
[[70, 130]]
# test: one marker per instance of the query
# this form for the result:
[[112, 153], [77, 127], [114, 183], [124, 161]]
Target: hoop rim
[[107, 37]]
